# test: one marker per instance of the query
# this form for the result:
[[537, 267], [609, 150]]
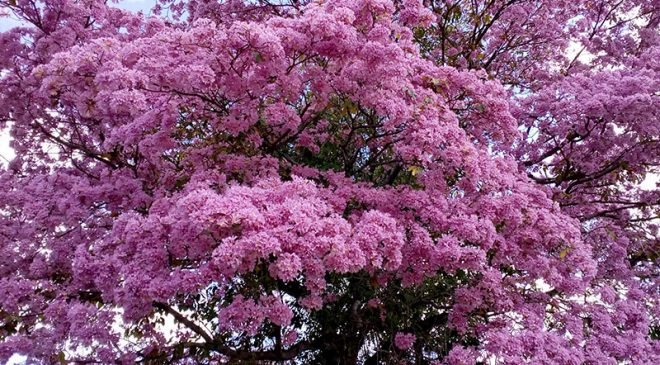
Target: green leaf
[[414, 170]]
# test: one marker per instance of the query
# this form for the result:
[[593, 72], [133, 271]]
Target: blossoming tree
[[331, 182]]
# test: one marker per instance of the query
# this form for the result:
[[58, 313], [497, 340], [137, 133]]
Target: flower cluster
[[330, 181]]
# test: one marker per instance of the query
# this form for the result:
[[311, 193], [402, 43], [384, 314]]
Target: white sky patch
[[651, 181], [575, 49], [6, 152], [8, 21], [136, 5], [17, 360]]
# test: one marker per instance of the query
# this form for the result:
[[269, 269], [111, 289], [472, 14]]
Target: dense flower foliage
[[340, 182]]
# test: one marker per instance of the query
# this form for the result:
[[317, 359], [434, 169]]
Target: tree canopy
[[331, 182]]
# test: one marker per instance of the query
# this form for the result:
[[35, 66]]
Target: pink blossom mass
[[331, 182]]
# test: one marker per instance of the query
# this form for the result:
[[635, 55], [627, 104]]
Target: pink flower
[[289, 338], [404, 341], [287, 267]]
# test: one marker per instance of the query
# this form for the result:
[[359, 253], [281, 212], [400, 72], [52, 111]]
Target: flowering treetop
[[341, 182]]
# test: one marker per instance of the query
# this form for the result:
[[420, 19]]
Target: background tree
[[340, 182]]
